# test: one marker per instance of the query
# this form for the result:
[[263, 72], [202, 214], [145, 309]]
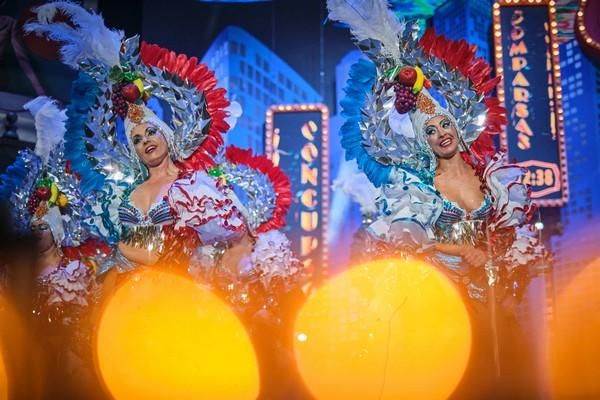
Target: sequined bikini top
[[145, 230], [457, 226], [159, 214]]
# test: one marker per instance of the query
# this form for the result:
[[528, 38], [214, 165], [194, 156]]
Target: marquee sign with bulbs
[[526, 53]]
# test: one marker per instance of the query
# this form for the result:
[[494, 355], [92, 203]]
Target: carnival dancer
[[168, 192], [419, 124], [46, 201], [162, 194]]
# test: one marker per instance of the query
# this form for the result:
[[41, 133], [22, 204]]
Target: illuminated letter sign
[[527, 56], [297, 141]]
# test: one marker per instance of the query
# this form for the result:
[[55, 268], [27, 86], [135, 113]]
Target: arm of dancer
[[475, 257]]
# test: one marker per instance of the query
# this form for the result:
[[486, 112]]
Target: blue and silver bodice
[[145, 230], [458, 226], [159, 214]]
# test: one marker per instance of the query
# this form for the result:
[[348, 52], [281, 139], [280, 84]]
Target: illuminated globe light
[[575, 348], [161, 336], [4, 390], [389, 329], [21, 370], [3, 380]]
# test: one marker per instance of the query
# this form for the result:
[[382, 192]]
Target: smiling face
[[150, 144], [442, 136]]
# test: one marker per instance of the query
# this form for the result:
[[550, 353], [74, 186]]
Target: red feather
[[460, 56], [205, 81]]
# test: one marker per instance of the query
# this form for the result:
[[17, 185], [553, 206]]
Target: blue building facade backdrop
[[580, 217], [467, 19], [255, 77]]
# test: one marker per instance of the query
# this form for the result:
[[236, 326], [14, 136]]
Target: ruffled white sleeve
[[272, 257], [208, 206], [73, 284], [510, 197], [407, 211], [526, 250]]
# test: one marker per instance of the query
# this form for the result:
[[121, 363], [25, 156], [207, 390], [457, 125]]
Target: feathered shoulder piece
[[263, 187]]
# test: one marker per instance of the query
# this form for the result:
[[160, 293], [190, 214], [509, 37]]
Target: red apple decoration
[[130, 92], [407, 76], [43, 192]]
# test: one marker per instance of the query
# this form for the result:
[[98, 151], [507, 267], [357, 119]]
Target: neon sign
[[526, 53], [297, 139]]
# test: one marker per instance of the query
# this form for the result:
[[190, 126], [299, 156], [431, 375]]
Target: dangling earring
[[463, 146]]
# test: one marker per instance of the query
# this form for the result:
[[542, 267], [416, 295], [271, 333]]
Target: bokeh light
[[389, 329], [3, 375], [575, 348], [3, 379], [21, 367], [161, 336]]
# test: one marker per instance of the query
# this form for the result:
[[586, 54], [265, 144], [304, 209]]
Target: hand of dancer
[[473, 256]]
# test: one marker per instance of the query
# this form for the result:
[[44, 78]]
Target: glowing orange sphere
[[163, 337], [3, 380], [575, 348], [3, 377], [389, 329]]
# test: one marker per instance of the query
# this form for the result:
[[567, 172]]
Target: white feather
[[369, 19], [49, 124], [354, 183], [90, 39]]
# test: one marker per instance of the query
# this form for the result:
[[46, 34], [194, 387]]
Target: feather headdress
[[40, 184], [369, 19], [86, 39], [402, 68], [49, 125]]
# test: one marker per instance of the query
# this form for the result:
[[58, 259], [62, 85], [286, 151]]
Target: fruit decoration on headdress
[[44, 195], [408, 82], [127, 87]]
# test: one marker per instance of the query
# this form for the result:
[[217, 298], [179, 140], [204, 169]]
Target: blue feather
[[83, 97], [13, 177], [362, 77]]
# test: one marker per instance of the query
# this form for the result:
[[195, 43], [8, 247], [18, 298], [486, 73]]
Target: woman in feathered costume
[[47, 202], [167, 191], [419, 121]]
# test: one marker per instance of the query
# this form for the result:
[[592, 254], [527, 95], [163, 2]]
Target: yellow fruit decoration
[[140, 85], [418, 86], [53, 193], [62, 200]]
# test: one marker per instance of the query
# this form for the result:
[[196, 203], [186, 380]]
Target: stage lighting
[[3, 378], [389, 329], [574, 343], [161, 336], [21, 367]]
